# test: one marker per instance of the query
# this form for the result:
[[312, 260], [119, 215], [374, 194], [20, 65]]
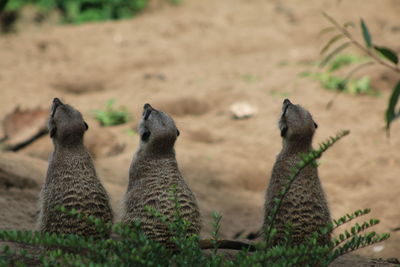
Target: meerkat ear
[[284, 130], [177, 132], [315, 125], [86, 126], [145, 135], [53, 131]]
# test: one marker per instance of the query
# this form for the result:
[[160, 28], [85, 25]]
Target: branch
[[360, 46], [225, 244]]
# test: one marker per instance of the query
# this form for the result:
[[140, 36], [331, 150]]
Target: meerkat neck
[[157, 152], [74, 147], [297, 146]]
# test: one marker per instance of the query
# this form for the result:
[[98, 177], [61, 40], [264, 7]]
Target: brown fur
[[304, 206], [71, 178], [152, 173]]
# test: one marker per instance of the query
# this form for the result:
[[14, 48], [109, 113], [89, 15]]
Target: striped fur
[[152, 173], [71, 179]]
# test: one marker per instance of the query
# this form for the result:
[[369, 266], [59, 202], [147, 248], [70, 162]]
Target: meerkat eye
[[86, 126], [283, 131], [315, 125], [53, 132], [145, 136], [177, 132]]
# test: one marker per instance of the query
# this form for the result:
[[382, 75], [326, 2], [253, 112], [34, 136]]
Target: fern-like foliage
[[352, 240], [131, 247]]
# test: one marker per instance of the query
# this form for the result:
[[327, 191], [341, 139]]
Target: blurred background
[[221, 69]]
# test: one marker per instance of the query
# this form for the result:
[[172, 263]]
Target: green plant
[[111, 116], [343, 60], [3, 4], [175, 2], [79, 11], [376, 54], [331, 79], [133, 248]]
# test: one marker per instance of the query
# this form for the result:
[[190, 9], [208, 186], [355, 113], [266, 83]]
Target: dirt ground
[[194, 61]]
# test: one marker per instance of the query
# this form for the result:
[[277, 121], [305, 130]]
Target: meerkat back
[[71, 179], [153, 171], [304, 207]]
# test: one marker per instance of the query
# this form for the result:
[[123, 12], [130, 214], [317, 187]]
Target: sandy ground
[[194, 61]]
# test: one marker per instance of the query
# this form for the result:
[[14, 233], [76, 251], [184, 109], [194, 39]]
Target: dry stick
[[356, 43], [226, 244]]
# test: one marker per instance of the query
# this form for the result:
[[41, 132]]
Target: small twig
[[330, 103], [360, 46], [359, 67]]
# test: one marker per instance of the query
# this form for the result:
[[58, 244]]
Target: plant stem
[[360, 46]]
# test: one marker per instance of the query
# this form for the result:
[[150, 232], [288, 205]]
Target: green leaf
[[366, 34], [390, 112], [326, 30], [333, 53], [331, 42], [341, 237], [343, 60], [387, 53]]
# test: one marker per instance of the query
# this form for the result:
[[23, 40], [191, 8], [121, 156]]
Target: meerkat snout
[[147, 111], [56, 103]]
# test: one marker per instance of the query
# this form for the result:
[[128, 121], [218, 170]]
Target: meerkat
[[153, 171], [304, 207], [71, 179]]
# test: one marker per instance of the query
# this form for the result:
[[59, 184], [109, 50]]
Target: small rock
[[242, 110], [118, 38], [378, 248]]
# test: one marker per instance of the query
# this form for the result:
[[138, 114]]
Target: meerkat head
[[296, 123], [66, 124], [157, 129]]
